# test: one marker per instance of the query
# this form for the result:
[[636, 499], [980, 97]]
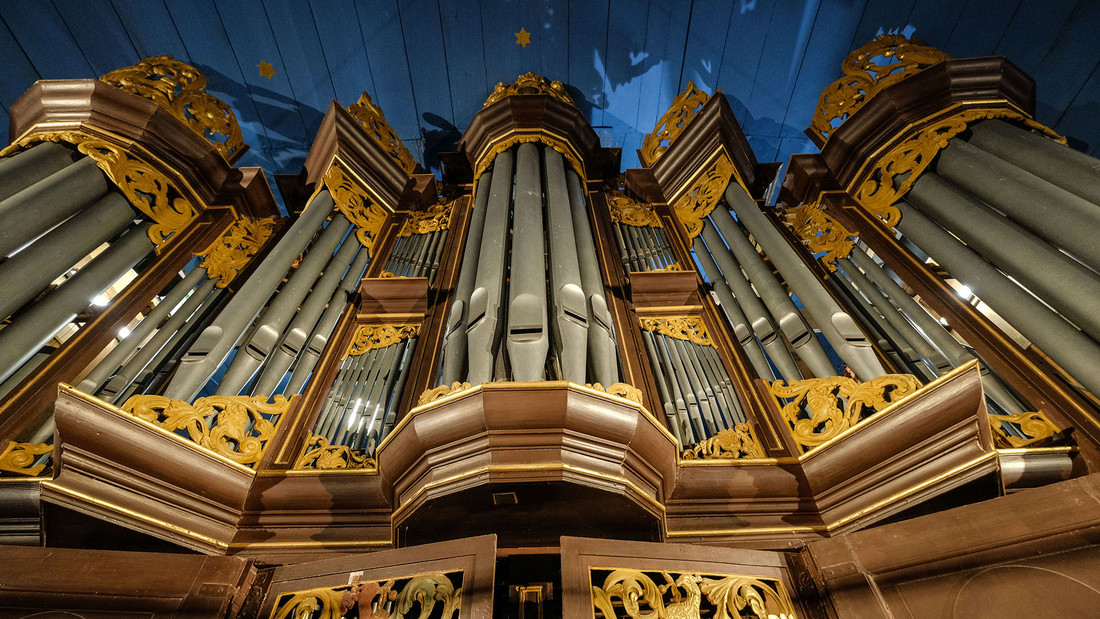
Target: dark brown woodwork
[[393, 295]]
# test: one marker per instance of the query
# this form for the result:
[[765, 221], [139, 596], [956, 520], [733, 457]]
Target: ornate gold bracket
[[819, 232], [864, 76], [353, 202], [317, 454], [542, 137], [1039, 430], [370, 337], [687, 328], [372, 119], [422, 595], [529, 84], [240, 428], [735, 443], [703, 195], [672, 123], [20, 458], [814, 410], [228, 255], [687, 595], [179, 88], [437, 217], [621, 390], [442, 391], [628, 211]]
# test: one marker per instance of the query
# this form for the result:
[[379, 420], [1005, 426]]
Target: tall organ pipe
[[213, 345], [528, 339], [485, 300], [25, 168], [65, 192], [33, 328], [601, 335], [837, 326], [1071, 349], [570, 313]]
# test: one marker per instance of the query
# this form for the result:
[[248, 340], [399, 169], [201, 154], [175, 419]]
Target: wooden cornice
[[806, 178], [121, 117]]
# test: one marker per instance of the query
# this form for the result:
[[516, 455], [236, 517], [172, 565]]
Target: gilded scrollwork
[[814, 407], [622, 390], [530, 84], [434, 594], [734, 443], [628, 211], [318, 454], [236, 427], [372, 119], [885, 61], [442, 391], [820, 233], [700, 199], [25, 458], [675, 266], [437, 217], [672, 123], [1038, 430], [561, 147], [370, 337], [179, 88], [635, 593], [235, 248], [687, 328], [353, 202]]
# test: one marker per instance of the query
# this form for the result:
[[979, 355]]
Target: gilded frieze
[[672, 123]]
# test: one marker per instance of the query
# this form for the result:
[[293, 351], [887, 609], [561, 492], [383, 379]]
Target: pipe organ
[[423, 380]]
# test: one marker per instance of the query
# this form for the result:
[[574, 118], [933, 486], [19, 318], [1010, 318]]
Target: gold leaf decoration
[[628, 211], [622, 390], [736, 442], [675, 266], [179, 88], [20, 458], [875, 189], [370, 337], [318, 454], [442, 391], [530, 84], [701, 198], [820, 233], [814, 405], [687, 328], [236, 427], [434, 594], [372, 119], [1039, 430], [864, 76], [228, 255], [672, 123], [635, 594], [436, 218], [353, 202], [560, 146]]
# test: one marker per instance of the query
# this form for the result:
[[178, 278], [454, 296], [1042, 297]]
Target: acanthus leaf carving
[[700, 199], [529, 84], [371, 118], [234, 249], [687, 328], [370, 337], [672, 123], [353, 202], [628, 211]]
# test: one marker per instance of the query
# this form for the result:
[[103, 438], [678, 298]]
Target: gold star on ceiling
[[523, 37], [266, 70]]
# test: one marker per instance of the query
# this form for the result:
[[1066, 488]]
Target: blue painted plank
[[504, 58], [794, 146], [381, 28], [781, 57], [934, 20], [980, 27], [1064, 69], [45, 38], [745, 38], [665, 37], [16, 72], [304, 60], [342, 45], [552, 24], [421, 24], [626, 63], [150, 28], [835, 24], [465, 51], [1078, 123], [99, 33], [706, 42], [588, 55], [882, 16], [1033, 31], [764, 147]]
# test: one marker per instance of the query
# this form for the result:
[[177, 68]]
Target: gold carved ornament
[[700, 199], [675, 266], [1039, 430], [235, 248], [734, 443], [20, 458], [875, 189], [145, 187], [628, 211], [370, 337], [688, 596], [372, 119], [558, 145], [620, 390], [236, 427], [885, 61], [687, 328], [419, 596], [436, 218], [672, 123], [179, 88], [353, 202], [530, 84], [319, 455], [814, 408], [442, 391], [819, 232]]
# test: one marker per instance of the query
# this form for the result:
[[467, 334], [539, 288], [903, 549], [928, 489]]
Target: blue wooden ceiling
[[431, 63]]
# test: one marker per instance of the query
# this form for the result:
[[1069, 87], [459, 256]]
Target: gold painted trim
[[512, 137]]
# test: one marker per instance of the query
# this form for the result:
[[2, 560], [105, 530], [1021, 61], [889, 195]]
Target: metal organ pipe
[[570, 312], [25, 168], [66, 192], [528, 337]]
